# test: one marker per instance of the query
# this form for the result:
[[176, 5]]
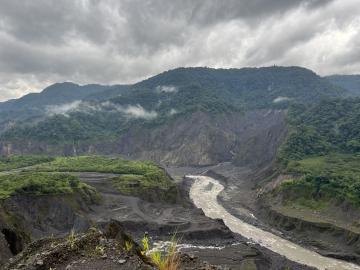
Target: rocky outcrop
[[108, 247], [96, 249], [5, 252], [92, 250], [45, 215], [26, 218]]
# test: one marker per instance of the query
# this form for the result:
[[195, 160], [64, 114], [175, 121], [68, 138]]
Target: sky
[[124, 41]]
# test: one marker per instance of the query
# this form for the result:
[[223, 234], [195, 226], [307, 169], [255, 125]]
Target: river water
[[204, 193]]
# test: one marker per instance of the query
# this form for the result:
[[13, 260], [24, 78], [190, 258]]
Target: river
[[204, 192]]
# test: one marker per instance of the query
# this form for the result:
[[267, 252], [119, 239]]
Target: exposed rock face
[[329, 239], [200, 139], [93, 250], [205, 139], [45, 215], [25, 218], [5, 252], [106, 249]]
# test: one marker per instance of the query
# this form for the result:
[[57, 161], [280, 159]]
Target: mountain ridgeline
[[284, 140], [223, 113], [348, 82]]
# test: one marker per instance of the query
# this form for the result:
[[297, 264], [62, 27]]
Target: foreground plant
[[164, 260], [71, 239]]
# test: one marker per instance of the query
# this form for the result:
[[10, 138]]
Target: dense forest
[[328, 126], [104, 113], [322, 152], [348, 82]]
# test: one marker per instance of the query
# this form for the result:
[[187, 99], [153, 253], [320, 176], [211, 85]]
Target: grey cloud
[[51, 21], [111, 41]]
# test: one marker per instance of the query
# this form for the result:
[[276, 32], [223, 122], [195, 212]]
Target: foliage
[[145, 241], [193, 89], [36, 183], [322, 153], [100, 164], [150, 186], [61, 128], [128, 245], [168, 260], [301, 142], [324, 178], [71, 239], [14, 162], [100, 250], [348, 82], [317, 129], [137, 178]]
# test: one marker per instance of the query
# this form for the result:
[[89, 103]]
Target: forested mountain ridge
[[348, 82], [56, 94], [254, 87], [321, 153], [106, 119], [244, 83], [331, 125]]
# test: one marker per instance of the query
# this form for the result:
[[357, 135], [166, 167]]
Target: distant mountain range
[[348, 82], [161, 117]]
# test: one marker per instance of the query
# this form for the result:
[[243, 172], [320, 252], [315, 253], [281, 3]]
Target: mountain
[[57, 97], [284, 140], [348, 82], [252, 87], [55, 94], [324, 127], [220, 112]]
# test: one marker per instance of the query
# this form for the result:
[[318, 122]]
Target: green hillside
[[320, 128], [322, 153], [348, 82], [173, 94]]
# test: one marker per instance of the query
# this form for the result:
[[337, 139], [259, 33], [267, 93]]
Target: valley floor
[[161, 220], [329, 234]]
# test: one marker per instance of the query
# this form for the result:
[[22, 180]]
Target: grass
[[344, 164], [136, 178], [150, 186], [323, 179], [167, 260], [98, 164], [38, 183], [14, 162]]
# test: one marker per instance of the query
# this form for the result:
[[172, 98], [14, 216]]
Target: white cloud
[[166, 89], [281, 99], [131, 111], [173, 111], [63, 109], [137, 111]]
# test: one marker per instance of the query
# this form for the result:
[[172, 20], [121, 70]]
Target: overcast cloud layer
[[112, 41]]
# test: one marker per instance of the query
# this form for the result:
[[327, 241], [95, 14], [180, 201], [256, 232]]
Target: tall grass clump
[[164, 260]]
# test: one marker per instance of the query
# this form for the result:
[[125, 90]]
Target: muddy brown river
[[204, 192]]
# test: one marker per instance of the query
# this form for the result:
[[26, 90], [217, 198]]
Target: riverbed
[[204, 193]]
